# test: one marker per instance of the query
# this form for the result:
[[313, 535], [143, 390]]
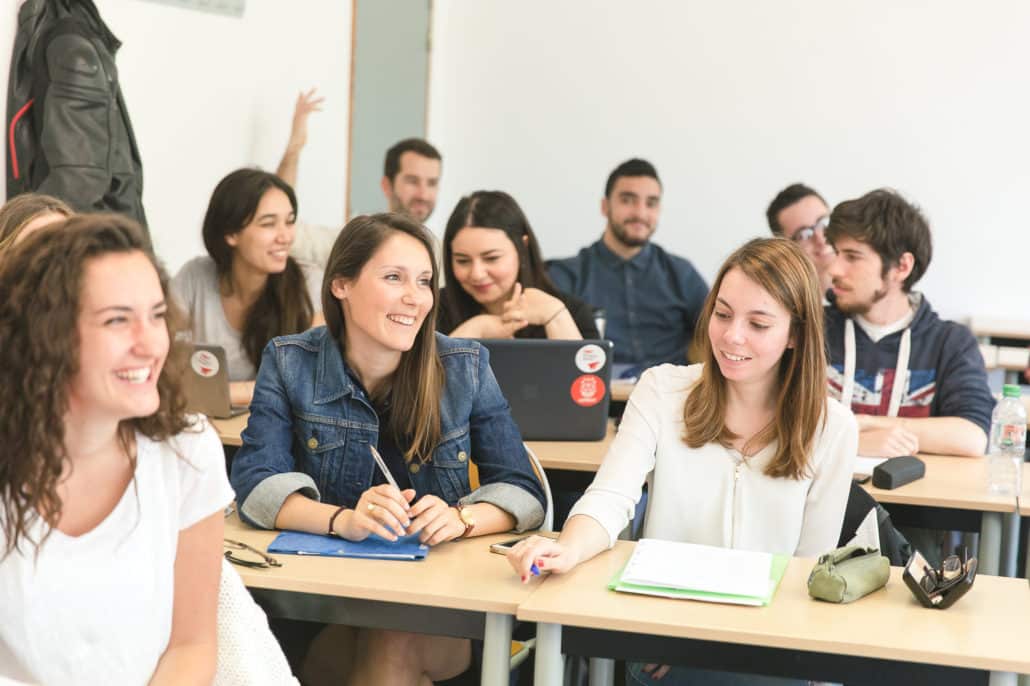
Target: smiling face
[[632, 209], [385, 306], [749, 330], [413, 190], [263, 245], [485, 264], [123, 339]]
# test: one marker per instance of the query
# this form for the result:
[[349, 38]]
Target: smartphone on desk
[[502, 547]]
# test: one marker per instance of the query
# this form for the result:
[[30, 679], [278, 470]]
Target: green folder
[[776, 571]]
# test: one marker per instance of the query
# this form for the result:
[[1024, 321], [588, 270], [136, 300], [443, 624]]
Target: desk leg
[[1011, 552], [602, 671], [497, 649], [549, 664], [990, 544]]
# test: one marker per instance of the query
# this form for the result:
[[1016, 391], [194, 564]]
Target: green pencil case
[[846, 574]]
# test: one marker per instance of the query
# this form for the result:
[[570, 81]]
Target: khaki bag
[[848, 573]]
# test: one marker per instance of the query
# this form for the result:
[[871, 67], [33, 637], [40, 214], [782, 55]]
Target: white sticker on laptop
[[205, 363], [587, 390], [590, 359]]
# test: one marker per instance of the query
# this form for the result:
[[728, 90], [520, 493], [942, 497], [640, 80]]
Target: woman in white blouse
[[111, 498], [744, 451]]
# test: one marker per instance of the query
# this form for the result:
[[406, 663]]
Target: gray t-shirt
[[196, 290]]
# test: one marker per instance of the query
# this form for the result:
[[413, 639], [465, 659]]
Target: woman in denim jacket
[[378, 375]]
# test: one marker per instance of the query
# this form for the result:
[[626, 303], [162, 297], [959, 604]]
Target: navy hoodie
[[946, 375]]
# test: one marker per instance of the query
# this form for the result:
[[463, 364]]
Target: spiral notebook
[[373, 547], [700, 572]]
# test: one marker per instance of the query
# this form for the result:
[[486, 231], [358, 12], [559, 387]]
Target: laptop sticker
[[590, 359], [204, 363], [587, 390]]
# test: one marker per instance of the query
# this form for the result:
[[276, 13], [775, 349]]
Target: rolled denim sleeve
[[506, 476], [264, 471]]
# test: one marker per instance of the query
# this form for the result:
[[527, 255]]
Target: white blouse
[[97, 608], [711, 495]]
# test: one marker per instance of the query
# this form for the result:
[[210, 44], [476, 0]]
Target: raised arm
[[307, 103]]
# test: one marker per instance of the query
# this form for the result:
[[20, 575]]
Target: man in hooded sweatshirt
[[915, 381]]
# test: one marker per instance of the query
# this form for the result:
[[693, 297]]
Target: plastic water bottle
[[1008, 441]]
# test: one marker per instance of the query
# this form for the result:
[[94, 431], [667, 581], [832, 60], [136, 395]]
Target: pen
[[534, 570], [382, 466]]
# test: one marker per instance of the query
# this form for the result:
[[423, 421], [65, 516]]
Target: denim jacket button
[[413, 468], [462, 456], [312, 443]]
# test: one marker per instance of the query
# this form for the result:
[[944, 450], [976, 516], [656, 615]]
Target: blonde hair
[[20, 210], [784, 272]]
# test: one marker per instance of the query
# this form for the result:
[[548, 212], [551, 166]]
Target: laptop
[[207, 383], [558, 390]]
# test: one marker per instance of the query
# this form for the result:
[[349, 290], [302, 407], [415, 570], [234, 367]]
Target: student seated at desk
[[496, 283], [743, 451], [111, 498], [248, 290], [26, 213], [378, 375]]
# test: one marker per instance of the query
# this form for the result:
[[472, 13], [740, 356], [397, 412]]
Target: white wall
[[733, 101], [208, 93]]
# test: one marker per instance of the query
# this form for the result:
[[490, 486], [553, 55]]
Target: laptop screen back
[[558, 390]]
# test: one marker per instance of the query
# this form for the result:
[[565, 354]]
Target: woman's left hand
[[437, 521]]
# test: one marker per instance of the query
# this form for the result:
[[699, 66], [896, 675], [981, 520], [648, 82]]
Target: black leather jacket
[[71, 131]]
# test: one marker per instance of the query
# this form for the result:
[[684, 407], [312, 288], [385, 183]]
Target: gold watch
[[467, 518]]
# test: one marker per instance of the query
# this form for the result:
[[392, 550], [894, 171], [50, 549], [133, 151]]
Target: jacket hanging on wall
[[68, 132]]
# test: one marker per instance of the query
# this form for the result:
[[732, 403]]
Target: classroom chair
[[893, 543]]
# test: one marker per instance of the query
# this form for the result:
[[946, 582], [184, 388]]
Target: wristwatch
[[467, 518]]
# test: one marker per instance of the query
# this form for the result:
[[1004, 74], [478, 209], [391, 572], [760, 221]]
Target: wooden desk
[[622, 389], [953, 495], [582, 456], [229, 430], [882, 638], [460, 589], [992, 327]]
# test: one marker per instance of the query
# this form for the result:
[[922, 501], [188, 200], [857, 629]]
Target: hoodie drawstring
[[900, 371]]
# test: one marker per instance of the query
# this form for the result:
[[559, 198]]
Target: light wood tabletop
[[986, 629], [461, 575], [987, 327], [955, 482], [583, 456]]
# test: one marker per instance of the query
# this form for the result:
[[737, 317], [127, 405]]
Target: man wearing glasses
[[800, 214]]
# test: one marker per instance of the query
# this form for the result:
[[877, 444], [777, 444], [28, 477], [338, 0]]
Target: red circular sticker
[[587, 390]]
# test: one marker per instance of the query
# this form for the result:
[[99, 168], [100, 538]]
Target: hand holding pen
[[383, 510]]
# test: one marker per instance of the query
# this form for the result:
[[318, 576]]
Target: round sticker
[[587, 390], [590, 358], [204, 363]]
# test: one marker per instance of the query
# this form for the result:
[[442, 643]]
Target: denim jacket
[[310, 426]]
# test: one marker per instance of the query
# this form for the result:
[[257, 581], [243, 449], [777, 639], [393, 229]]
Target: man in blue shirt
[[651, 299]]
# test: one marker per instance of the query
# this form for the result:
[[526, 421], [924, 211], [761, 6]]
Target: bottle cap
[[1011, 390]]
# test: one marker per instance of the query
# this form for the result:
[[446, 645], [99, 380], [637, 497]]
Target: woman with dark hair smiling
[[378, 375], [248, 289], [496, 283], [111, 498]]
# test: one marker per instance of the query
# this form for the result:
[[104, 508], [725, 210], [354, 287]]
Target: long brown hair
[[17, 212], [784, 272], [284, 306], [415, 389], [42, 281]]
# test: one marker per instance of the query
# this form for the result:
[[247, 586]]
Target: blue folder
[[373, 547]]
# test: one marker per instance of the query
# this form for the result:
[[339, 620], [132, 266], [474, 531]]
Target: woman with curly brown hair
[[111, 498]]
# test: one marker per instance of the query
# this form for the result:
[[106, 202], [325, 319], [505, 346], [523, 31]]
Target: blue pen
[[534, 570]]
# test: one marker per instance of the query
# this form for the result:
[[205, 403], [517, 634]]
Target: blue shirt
[[310, 426], [651, 301]]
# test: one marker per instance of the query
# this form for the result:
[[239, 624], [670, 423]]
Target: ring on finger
[[372, 507]]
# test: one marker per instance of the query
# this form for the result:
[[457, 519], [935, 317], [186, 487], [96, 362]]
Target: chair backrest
[[548, 524], [893, 543]]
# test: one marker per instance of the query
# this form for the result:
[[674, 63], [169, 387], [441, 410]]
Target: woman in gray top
[[248, 290]]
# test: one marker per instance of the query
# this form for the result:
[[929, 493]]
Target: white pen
[[382, 467]]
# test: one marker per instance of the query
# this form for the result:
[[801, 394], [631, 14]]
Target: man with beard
[[411, 178], [914, 381], [651, 299], [800, 214]]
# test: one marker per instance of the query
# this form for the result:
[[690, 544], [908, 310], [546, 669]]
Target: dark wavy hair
[[42, 281], [284, 306], [415, 389], [491, 210]]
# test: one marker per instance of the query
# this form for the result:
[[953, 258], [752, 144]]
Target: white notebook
[[693, 567]]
